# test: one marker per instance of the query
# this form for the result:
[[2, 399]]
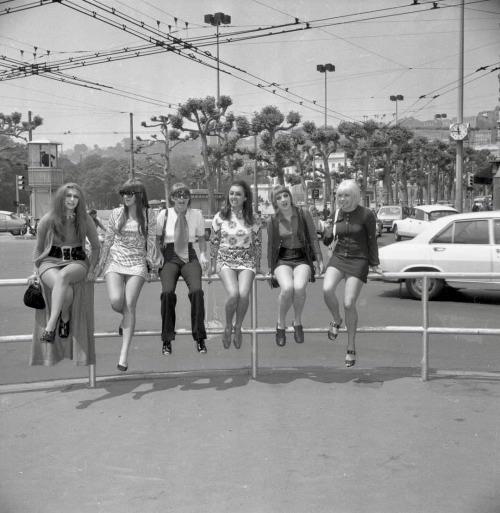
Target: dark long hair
[[57, 213], [225, 211], [141, 202]]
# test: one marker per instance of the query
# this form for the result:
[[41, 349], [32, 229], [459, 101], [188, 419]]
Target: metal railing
[[424, 329]]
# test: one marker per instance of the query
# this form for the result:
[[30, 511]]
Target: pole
[[460, 113], [326, 96], [218, 78], [131, 170], [255, 188], [30, 129]]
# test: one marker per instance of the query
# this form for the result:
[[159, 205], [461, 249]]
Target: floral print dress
[[234, 244]]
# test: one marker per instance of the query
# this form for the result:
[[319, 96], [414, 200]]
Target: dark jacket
[[306, 234]]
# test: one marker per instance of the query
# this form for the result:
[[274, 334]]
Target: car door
[[411, 225], [463, 246], [3, 222], [496, 247]]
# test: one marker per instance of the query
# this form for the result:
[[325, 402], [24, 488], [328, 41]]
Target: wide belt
[[67, 253]]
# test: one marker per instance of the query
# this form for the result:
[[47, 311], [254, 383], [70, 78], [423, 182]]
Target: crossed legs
[[123, 292]]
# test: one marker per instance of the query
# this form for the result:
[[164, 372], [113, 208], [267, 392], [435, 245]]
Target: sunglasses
[[128, 193], [181, 195]]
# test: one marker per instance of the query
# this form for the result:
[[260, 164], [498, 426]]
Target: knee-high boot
[[198, 314], [168, 302]]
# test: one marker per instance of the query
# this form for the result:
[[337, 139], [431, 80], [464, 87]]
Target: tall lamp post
[[440, 117], [396, 98], [324, 68], [217, 19]]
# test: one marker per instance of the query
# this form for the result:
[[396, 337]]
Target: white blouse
[[194, 218]]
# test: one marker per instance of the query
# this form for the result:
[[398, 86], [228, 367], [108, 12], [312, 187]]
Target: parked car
[[390, 213], [11, 222], [419, 220], [457, 243]]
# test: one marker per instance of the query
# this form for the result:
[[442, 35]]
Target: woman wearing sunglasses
[[65, 328], [129, 253], [178, 228]]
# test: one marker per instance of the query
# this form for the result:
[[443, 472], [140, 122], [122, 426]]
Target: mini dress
[[234, 244]]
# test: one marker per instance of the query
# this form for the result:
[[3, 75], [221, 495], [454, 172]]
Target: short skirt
[[351, 266], [127, 270], [239, 259], [292, 257], [56, 263]]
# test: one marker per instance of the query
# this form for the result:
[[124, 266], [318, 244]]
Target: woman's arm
[[95, 245], [257, 244], [311, 229], [41, 235], [371, 235], [109, 238], [215, 236]]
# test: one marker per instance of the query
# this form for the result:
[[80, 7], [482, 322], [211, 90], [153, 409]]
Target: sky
[[379, 48]]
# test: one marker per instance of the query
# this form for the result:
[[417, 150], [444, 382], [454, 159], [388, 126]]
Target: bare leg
[[301, 276], [229, 278], [60, 281], [330, 282], [353, 287], [245, 280], [284, 275]]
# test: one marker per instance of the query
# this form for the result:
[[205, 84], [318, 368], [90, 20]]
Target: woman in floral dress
[[235, 250]]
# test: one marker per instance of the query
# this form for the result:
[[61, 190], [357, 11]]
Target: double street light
[[396, 98], [325, 68], [217, 19]]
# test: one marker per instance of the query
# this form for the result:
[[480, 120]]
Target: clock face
[[458, 131]]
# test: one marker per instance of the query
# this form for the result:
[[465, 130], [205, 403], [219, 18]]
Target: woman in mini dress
[[292, 250], [129, 258], [65, 328], [355, 252], [236, 249]]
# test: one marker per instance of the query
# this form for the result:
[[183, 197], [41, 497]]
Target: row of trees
[[205, 145]]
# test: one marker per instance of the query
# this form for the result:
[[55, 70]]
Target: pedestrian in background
[[293, 248], [235, 250], [354, 236], [179, 226], [129, 258], [62, 267]]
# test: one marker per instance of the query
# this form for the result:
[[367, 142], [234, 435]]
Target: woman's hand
[[376, 269], [91, 275], [33, 279], [321, 267], [204, 262]]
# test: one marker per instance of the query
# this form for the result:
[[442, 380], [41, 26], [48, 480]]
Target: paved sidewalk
[[310, 440]]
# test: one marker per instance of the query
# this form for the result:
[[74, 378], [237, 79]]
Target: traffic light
[[21, 182], [470, 180]]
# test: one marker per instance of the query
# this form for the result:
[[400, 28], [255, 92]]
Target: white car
[[419, 220], [461, 243]]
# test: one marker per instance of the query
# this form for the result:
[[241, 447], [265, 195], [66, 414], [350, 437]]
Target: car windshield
[[389, 211], [439, 213]]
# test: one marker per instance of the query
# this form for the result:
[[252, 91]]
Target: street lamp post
[[440, 117], [217, 19], [396, 98], [324, 68]]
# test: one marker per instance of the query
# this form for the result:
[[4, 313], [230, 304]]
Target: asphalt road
[[380, 305]]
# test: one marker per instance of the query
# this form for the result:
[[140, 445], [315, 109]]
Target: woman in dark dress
[[355, 252]]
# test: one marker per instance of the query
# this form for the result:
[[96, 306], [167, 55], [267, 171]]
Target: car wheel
[[16, 232], [414, 287], [397, 237], [24, 229], [388, 230]]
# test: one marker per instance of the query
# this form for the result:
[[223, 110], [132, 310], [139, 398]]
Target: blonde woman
[[355, 252]]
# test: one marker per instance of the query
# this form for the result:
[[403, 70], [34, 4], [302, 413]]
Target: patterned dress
[[234, 244], [128, 251]]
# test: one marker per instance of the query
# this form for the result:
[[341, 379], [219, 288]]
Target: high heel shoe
[[238, 337], [48, 336], [122, 368], [333, 330], [226, 337], [64, 328], [349, 362]]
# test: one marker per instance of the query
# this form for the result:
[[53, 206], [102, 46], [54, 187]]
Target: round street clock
[[458, 131]]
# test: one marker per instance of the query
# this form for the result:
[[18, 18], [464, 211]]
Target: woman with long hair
[[62, 266], [129, 255], [292, 250], [236, 249], [355, 252]]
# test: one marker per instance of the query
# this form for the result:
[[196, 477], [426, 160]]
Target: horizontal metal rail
[[425, 330]]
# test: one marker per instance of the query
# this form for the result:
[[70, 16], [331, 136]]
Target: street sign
[[315, 193]]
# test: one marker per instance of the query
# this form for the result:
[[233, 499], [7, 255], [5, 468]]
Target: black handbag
[[33, 296]]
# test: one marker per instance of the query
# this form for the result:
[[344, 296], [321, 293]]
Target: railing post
[[92, 378], [425, 325], [255, 339]]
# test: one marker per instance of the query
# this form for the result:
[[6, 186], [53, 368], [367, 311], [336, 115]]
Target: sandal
[[333, 330], [226, 337], [349, 362], [238, 337], [63, 328], [48, 336], [280, 336]]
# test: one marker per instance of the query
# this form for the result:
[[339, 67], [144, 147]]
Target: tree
[[325, 141], [12, 126], [268, 123], [206, 116], [13, 159]]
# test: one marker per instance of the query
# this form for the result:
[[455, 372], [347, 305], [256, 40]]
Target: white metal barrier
[[255, 330]]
